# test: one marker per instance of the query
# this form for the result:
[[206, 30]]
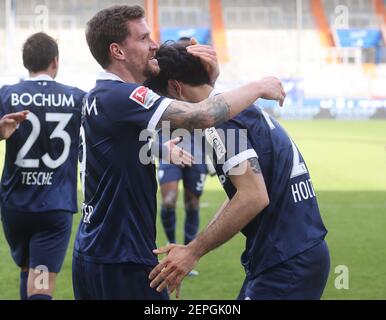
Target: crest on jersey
[[144, 97]]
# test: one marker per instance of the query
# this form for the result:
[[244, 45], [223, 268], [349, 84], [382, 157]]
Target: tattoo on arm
[[205, 114], [254, 162], [218, 110]]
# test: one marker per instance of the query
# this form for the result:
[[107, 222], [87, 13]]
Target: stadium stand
[[255, 38], [184, 13]]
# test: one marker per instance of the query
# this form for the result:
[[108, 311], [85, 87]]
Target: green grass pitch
[[347, 161]]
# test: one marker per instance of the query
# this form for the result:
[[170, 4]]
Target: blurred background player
[[271, 197], [39, 182]]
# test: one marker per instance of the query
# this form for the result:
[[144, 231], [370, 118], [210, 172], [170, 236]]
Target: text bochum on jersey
[[41, 160]]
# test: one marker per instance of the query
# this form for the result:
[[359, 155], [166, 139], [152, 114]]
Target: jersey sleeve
[[229, 146], [140, 106]]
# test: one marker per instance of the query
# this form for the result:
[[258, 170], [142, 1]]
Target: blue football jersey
[[291, 223], [40, 168], [119, 210]]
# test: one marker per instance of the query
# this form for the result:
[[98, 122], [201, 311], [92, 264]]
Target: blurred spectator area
[[324, 42]]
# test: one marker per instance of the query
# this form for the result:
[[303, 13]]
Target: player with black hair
[[271, 197]]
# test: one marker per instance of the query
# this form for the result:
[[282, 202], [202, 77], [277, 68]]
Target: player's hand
[[272, 89], [208, 57], [170, 272], [10, 122], [177, 155]]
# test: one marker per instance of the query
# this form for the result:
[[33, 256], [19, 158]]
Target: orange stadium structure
[[304, 42]]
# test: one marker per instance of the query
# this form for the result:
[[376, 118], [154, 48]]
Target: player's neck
[[199, 93], [122, 73], [44, 72]]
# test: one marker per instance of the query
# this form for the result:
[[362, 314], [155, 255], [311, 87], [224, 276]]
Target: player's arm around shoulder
[[215, 110]]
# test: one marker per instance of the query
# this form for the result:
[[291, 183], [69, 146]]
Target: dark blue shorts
[[118, 281], [37, 239], [193, 177], [302, 277]]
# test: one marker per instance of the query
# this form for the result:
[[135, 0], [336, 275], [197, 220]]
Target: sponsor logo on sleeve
[[144, 97]]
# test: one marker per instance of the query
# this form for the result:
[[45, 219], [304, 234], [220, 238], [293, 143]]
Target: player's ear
[[116, 51], [55, 65], [174, 89]]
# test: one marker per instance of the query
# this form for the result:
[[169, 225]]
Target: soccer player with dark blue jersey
[[271, 198], [113, 247], [193, 179], [39, 183]]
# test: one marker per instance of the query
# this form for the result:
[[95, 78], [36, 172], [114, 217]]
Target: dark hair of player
[[110, 26], [177, 64], [39, 51]]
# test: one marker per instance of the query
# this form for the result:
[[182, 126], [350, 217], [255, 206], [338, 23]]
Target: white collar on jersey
[[41, 77], [103, 75]]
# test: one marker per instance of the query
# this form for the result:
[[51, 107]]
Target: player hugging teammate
[[114, 253]]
